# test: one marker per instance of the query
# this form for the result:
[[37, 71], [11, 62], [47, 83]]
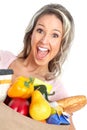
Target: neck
[[36, 70]]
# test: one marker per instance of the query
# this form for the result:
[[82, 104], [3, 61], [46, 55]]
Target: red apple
[[20, 105]]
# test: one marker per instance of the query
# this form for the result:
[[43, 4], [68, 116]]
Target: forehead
[[50, 21], [49, 15]]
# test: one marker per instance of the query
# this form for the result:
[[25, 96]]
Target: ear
[[31, 35]]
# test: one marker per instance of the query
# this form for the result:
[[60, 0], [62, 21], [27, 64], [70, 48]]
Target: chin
[[41, 62]]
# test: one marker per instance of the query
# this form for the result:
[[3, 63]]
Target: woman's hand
[[72, 127]]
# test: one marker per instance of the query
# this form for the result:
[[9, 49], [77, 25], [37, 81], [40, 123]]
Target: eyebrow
[[53, 29], [58, 31]]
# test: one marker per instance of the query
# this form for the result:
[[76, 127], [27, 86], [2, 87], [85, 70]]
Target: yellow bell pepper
[[22, 87], [38, 82]]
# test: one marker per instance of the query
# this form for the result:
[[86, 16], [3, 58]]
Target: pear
[[40, 108]]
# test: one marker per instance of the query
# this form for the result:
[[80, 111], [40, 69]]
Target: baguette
[[73, 103]]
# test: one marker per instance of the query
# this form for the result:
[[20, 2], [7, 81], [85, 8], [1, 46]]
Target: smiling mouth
[[42, 52]]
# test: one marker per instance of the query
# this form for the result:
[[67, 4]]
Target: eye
[[55, 35], [39, 30]]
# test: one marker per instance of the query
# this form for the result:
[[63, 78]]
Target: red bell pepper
[[20, 105]]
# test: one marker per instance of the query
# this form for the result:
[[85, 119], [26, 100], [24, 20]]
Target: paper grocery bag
[[12, 120]]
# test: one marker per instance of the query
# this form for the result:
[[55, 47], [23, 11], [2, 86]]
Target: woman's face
[[46, 39]]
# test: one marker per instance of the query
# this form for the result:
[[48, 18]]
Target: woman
[[46, 43]]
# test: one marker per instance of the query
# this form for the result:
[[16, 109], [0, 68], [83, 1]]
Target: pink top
[[6, 58]]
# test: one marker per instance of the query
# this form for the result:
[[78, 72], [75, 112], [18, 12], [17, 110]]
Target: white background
[[14, 17]]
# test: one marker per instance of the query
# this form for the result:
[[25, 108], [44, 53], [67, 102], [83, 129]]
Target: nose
[[45, 39]]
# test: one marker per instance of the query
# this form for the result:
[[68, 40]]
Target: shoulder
[[4, 53], [6, 57]]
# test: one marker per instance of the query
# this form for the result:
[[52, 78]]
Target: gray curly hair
[[68, 28]]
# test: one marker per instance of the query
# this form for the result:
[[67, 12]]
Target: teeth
[[42, 49]]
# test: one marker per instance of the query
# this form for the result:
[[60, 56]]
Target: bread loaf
[[73, 103]]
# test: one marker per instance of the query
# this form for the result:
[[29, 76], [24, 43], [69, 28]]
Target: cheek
[[55, 49], [34, 39], [33, 43]]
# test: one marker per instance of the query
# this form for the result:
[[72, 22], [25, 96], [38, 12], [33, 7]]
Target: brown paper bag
[[11, 120]]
